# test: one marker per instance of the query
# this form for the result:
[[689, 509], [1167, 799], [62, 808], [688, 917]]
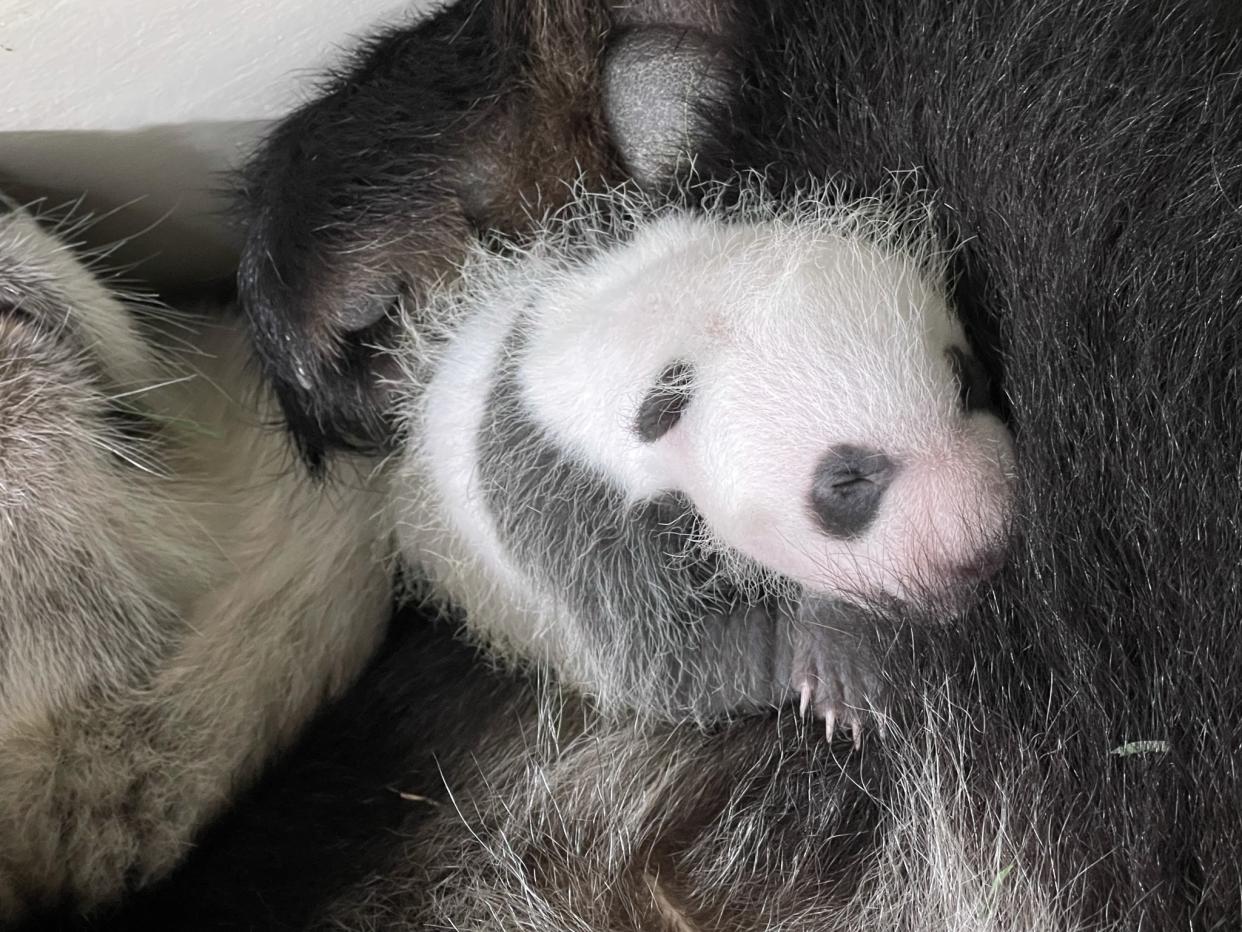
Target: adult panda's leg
[[365, 197], [175, 603]]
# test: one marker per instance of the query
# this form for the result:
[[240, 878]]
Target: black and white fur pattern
[[675, 568], [164, 625], [660, 540], [1066, 755]]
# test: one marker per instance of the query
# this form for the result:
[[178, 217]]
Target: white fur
[[174, 608], [803, 336]]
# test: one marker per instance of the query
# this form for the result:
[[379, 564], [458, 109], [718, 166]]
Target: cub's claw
[[831, 667]]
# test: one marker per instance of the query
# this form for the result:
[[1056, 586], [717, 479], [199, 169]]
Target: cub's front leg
[[829, 659]]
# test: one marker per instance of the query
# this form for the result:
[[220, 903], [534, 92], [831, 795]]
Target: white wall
[[140, 104]]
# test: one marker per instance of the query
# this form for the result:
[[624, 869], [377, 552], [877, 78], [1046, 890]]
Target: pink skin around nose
[[939, 532]]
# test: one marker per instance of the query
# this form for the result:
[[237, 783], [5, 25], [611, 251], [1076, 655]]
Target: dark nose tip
[[848, 485]]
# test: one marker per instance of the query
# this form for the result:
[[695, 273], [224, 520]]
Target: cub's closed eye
[[664, 404]]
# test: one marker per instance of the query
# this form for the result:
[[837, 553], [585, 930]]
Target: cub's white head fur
[[799, 376]]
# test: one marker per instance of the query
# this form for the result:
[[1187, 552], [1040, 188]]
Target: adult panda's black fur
[[1067, 756], [503, 111]]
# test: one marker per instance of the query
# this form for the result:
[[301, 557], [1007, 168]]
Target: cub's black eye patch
[[663, 406], [974, 389]]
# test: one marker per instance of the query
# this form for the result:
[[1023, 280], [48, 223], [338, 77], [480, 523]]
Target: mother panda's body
[[1065, 757], [165, 624]]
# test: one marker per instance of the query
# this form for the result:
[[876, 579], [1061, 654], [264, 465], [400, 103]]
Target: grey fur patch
[[667, 630]]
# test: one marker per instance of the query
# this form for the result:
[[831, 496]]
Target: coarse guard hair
[[175, 601]]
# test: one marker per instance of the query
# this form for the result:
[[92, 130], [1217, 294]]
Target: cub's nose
[[847, 488]]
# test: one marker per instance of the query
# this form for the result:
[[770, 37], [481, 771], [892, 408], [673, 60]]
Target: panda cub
[[672, 454], [660, 435], [174, 602]]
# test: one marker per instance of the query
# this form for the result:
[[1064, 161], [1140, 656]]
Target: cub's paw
[[832, 668]]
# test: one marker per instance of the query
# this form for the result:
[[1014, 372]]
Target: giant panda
[[175, 600], [1061, 755]]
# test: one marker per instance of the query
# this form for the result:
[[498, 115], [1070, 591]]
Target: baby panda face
[[808, 390]]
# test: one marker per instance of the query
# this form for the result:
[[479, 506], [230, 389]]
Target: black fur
[[366, 196], [1088, 156]]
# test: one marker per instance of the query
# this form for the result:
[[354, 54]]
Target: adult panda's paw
[[831, 668], [325, 276], [353, 207], [466, 124]]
